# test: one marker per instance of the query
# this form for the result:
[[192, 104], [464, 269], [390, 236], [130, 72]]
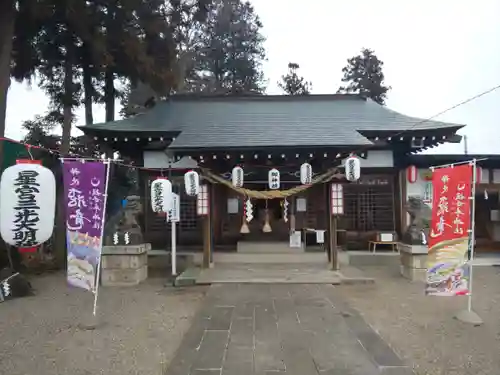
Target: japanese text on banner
[[84, 185], [451, 207], [447, 273]]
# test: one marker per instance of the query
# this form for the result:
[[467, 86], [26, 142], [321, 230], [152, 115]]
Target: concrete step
[[268, 274], [248, 247], [271, 258]]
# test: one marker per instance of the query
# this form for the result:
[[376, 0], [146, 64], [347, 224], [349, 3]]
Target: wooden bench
[[384, 239], [372, 245]]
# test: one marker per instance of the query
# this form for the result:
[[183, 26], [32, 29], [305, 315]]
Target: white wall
[[417, 188], [377, 159], [159, 159]]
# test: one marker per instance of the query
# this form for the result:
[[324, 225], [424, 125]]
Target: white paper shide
[[161, 195], [237, 176], [306, 174], [352, 168], [28, 202], [274, 179], [192, 183]]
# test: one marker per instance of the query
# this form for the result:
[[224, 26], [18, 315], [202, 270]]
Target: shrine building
[[213, 134]]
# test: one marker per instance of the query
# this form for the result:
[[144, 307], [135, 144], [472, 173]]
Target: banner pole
[[472, 232], [470, 161], [470, 316], [107, 162]]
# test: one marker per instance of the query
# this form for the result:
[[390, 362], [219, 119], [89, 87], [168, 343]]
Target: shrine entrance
[[268, 223]]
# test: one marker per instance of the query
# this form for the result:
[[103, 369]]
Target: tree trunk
[[109, 94], [68, 103], [60, 232], [87, 88], [7, 19]]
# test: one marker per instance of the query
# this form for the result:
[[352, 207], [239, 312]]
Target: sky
[[436, 54]]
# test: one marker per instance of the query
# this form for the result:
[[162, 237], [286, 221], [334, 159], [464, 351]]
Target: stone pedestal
[[124, 265], [413, 261]]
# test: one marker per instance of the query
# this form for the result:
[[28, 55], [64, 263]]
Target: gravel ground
[[140, 329], [422, 329]]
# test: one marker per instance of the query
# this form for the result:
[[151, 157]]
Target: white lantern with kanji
[[28, 204], [412, 174], [161, 195], [192, 183], [274, 179], [237, 176], [306, 174], [352, 168]]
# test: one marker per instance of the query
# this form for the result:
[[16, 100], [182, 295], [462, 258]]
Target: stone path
[[281, 329]]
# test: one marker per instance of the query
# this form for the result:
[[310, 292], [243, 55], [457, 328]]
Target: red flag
[[451, 204], [448, 240]]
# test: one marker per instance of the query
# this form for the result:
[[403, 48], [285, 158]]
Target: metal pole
[[457, 163], [173, 255], [103, 220], [472, 232]]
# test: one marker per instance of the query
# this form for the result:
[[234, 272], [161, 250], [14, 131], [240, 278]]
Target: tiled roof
[[260, 121]]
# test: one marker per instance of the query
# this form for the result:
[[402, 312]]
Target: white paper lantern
[[306, 174], [192, 183], [274, 179], [161, 195], [28, 205], [352, 168], [237, 176]]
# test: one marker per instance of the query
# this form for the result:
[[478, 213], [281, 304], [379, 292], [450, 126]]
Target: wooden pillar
[[207, 233], [402, 201]]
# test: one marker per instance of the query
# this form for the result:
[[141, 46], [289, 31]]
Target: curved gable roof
[[248, 121]]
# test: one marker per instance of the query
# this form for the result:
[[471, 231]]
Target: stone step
[[268, 274], [247, 247], [188, 277], [271, 258]]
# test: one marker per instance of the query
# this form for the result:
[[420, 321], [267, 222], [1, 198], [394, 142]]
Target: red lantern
[[412, 174], [427, 175]]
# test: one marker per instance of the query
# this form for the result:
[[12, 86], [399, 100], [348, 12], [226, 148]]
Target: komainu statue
[[123, 228], [420, 218]]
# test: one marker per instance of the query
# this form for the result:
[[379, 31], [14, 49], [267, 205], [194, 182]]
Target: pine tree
[[228, 51], [292, 83], [363, 75]]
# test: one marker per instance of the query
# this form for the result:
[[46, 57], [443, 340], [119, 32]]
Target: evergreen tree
[[228, 51], [81, 47], [363, 75], [292, 83]]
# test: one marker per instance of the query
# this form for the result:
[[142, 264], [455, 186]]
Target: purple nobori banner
[[84, 191]]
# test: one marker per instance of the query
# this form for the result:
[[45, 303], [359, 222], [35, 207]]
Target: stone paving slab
[[281, 329]]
